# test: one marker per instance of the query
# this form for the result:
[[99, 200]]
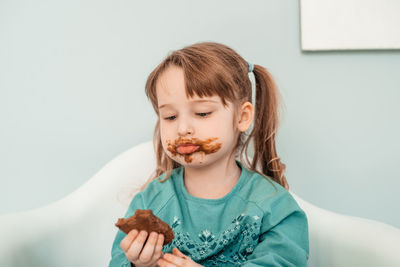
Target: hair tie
[[251, 66]]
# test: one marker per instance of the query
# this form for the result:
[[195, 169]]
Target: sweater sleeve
[[118, 258], [283, 239]]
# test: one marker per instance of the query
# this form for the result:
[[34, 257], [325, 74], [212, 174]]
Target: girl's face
[[196, 131]]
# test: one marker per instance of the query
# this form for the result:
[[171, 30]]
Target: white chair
[[78, 230]]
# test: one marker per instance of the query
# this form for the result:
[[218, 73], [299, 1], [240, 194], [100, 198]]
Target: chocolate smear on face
[[204, 146]]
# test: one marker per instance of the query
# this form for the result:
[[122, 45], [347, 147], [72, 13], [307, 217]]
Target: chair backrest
[[78, 230], [338, 240]]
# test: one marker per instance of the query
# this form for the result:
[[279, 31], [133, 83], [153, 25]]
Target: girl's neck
[[213, 181]]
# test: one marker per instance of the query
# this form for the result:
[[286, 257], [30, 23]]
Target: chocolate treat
[[146, 220]]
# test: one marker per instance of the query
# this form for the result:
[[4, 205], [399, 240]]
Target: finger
[[128, 239], [178, 253], [146, 254], [173, 259], [137, 246], [165, 263], [159, 246]]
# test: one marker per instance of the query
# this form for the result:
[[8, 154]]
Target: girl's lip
[[187, 145]]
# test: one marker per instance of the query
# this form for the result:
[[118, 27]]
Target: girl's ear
[[246, 114]]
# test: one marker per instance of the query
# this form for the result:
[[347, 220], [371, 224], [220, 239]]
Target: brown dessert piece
[[146, 220]]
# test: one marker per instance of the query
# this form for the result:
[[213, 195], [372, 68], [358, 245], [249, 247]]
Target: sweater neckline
[[188, 196]]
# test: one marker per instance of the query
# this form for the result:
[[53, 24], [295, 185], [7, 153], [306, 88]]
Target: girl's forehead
[[170, 80], [196, 98], [171, 100], [170, 89]]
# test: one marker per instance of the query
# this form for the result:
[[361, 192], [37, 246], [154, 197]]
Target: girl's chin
[[195, 159]]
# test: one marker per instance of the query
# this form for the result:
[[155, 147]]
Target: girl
[[224, 210]]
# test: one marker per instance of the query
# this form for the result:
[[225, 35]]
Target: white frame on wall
[[349, 24]]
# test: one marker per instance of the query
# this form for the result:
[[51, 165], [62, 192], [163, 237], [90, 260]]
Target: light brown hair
[[215, 69]]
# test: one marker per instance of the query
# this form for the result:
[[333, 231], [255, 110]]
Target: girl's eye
[[202, 114], [170, 118]]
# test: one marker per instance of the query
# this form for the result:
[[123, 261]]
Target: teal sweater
[[258, 223]]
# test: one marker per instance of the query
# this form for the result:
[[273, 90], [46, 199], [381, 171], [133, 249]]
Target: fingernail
[[133, 232]]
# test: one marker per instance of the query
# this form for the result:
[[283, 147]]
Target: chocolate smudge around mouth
[[204, 146]]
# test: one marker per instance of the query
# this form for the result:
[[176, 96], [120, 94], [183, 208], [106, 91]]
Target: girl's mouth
[[187, 148]]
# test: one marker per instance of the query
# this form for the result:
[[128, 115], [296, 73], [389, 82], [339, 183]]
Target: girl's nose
[[185, 129], [185, 132]]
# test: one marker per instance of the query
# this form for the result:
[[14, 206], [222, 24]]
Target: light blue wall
[[72, 77]]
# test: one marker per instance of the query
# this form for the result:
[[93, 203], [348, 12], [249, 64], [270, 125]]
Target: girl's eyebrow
[[193, 101]]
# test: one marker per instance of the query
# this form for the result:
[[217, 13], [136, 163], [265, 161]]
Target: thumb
[[177, 252]]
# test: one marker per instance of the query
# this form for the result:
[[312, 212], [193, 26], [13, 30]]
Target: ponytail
[[265, 160]]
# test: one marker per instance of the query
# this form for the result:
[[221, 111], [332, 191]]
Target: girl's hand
[[176, 259], [132, 245]]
